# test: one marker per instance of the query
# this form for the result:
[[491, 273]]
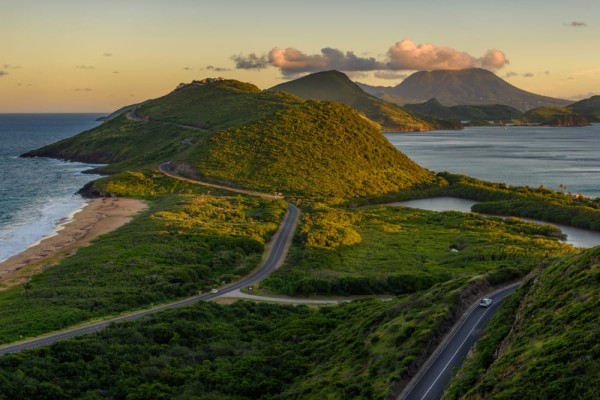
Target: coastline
[[97, 217]]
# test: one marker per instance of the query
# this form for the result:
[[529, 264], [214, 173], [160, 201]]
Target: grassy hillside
[[401, 250], [216, 105], [336, 86], [553, 116], [317, 149], [545, 344], [272, 141], [589, 108], [364, 350], [187, 241]]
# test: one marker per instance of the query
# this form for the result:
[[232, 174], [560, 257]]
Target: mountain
[[589, 108], [553, 116], [474, 86], [487, 112], [232, 131], [336, 86], [545, 343]]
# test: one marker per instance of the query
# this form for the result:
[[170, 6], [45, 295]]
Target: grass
[[316, 149], [400, 250], [358, 350], [544, 344], [181, 245]]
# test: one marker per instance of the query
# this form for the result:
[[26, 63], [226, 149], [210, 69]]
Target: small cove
[[575, 236]]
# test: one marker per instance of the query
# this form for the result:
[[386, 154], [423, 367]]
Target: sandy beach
[[98, 217]]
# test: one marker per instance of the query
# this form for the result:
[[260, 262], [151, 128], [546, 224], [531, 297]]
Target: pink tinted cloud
[[293, 61], [494, 59], [408, 55], [405, 55]]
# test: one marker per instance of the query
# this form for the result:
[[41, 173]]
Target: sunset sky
[[97, 56]]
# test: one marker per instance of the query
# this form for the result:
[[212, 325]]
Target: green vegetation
[[545, 344], [183, 244], [589, 108], [360, 350], [401, 250], [336, 86], [120, 140], [523, 201], [216, 106], [473, 113], [316, 149], [271, 141], [552, 116]]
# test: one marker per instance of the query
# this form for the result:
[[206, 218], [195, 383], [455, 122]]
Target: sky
[[100, 55]]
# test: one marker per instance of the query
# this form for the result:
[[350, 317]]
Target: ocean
[[37, 195], [531, 156]]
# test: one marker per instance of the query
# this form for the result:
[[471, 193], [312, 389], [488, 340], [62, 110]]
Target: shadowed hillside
[[468, 86], [336, 86]]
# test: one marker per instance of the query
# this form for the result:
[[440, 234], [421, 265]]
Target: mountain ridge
[[336, 86], [473, 86]]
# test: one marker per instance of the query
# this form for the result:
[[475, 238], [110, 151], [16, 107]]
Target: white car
[[214, 290], [485, 302]]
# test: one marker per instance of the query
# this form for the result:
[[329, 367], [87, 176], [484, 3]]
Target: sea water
[[556, 158], [37, 195]]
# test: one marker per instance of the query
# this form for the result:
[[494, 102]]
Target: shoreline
[[97, 217]]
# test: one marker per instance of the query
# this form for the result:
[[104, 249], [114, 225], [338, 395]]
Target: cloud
[[494, 59], [528, 75], [251, 61], [292, 61], [3, 73], [115, 72], [84, 67], [83, 90], [186, 68], [389, 75], [510, 74], [218, 69], [405, 55], [576, 24], [8, 66], [107, 54], [408, 55]]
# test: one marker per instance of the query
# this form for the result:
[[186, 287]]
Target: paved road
[[278, 252], [165, 167], [430, 385]]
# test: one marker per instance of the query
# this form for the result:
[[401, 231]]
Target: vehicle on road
[[485, 302], [214, 290]]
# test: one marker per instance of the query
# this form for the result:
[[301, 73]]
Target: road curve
[[438, 370], [279, 247]]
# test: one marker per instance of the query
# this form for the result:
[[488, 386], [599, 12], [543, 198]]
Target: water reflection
[[575, 236]]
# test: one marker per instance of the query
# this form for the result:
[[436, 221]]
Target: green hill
[[336, 86], [589, 108], [229, 130], [315, 149], [546, 343], [552, 116], [485, 112]]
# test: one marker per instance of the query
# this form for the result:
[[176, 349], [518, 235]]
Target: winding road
[[277, 251], [436, 373], [428, 384]]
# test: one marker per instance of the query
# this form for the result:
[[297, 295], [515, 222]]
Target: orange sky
[[96, 56]]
